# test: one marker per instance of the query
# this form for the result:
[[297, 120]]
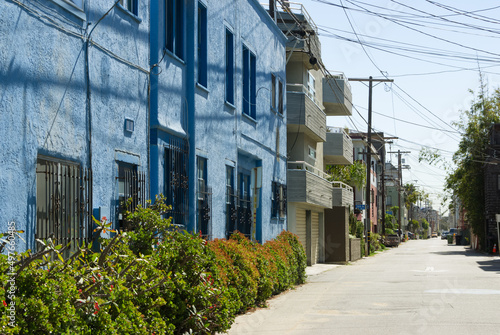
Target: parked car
[[444, 235], [434, 234], [391, 240], [411, 236]]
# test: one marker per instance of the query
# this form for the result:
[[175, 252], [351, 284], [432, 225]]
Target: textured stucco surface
[[215, 130], [43, 99]]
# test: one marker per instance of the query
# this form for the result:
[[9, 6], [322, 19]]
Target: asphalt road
[[422, 287]]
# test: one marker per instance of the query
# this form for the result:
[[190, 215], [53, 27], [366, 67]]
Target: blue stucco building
[[74, 78], [106, 100], [218, 120]]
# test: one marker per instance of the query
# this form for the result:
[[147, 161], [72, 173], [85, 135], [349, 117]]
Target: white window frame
[[311, 152], [311, 85]]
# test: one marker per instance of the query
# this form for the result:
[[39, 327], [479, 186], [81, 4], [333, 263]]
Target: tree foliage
[[424, 224], [467, 180], [353, 175], [414, 225], [413, 195]]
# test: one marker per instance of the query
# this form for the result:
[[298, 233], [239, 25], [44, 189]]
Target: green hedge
[[152, 280]]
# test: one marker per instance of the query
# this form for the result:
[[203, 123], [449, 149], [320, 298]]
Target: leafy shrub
[[389, 231], [152, 279], [375, 243]]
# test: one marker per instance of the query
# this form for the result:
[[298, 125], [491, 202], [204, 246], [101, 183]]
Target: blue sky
[[446, 36]]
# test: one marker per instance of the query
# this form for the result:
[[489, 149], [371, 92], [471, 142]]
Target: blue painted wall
[[43, 98], [216, 131], [46, 109]]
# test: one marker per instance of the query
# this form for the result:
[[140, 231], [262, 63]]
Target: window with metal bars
[[278, 209], [204, 200], [244, 221], [231, 202], [63, 203], [177, 180], [131, 191]]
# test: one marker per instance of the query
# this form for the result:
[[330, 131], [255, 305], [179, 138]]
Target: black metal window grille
[[244, 221], [63, 203], [231, 202], [131, 185], [203, 212], [204, 199], [177, 180], [278, 200], [231, 211]]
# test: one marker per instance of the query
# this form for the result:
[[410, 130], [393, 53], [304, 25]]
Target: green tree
[[353, 175], [414, 225], [389, 221], [466, 179], [424, 224]]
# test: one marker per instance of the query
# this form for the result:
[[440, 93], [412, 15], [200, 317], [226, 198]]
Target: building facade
[[110, 100], [312, 95], [74, 104], [218, 117]]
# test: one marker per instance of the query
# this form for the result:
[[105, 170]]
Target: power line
[[422, 32], [412, 123]]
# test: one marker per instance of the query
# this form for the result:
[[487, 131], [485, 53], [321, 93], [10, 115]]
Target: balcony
[[338, 149], [307, 184], [286, 16], [337, 95], [343, 195], [304, 113]]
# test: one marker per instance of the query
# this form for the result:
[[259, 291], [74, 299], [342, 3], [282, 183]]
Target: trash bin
[[458, 239]]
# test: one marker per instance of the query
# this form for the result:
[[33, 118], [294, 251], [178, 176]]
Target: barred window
[[177, 180], [204, 198], [63, 202], [278, 200], [131, 191]]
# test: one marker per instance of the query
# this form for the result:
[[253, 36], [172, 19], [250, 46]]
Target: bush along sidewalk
[[152, 279]]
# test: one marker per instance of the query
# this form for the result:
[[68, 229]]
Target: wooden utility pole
[[368, 227]]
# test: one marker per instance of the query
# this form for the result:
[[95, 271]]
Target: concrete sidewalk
[[319, 268]]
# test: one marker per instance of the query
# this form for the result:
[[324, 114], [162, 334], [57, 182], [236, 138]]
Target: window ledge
[[230, 105], [129, 13], [174, 56], [249, 117], [275, 111], [202, 87], [72, 8]]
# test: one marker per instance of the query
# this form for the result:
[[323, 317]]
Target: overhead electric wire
[[412, 48], [447, 20], [425, 33], [373, 62], [412, 123], [465, 13], [400, 18]]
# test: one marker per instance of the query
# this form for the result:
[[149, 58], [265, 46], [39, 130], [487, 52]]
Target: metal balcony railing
[[339, 184], [294, 8], [301, 89], [303, 166], [342, 76]]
